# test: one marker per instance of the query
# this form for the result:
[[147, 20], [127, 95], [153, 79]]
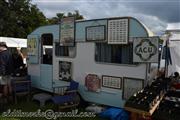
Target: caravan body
[[86, 57]]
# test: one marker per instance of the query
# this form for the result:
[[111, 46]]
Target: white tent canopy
[[174, 45], [14, 42], [175, 36], [173, 26]]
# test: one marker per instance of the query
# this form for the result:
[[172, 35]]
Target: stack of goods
[[169, 108], [148, 97]]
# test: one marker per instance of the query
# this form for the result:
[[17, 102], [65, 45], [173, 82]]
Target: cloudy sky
[[155, 14]]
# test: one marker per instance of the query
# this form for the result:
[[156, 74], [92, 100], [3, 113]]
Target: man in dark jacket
[[6, 68]]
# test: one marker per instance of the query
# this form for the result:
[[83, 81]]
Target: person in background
[[18, 59], [20, 69], [175, 81], [6, 69]]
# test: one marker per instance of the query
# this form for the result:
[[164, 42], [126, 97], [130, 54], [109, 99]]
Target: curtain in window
[[61, 50], [122, 54]]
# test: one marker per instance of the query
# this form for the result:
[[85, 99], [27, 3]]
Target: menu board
[[111, 81], [67, 34], [65, 69], [95, 33], [118, 31], [131, 86]]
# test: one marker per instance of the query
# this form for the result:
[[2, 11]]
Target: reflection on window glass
[[61, 50], [64, 51]]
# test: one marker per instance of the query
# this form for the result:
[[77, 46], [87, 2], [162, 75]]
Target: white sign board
[[32, 46], [95, 33], [145, 49], [111, 81], [118, 31], [67, 36]]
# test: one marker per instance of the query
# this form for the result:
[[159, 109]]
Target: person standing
[[6, 68], [18, 59]]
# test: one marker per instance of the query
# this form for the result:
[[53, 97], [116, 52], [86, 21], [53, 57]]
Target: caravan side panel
[[84, 63]]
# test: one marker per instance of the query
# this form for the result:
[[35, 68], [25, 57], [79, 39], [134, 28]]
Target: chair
[[70, 97], [21, 86]]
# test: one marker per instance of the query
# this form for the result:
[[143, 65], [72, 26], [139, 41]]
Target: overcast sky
[[155, 14]]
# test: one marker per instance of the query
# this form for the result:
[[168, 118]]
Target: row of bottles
[[148, 97]]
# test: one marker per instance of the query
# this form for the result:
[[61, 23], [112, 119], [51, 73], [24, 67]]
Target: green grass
[[32, 106]]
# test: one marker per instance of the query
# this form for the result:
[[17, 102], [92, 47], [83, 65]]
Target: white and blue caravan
[[97, 53]]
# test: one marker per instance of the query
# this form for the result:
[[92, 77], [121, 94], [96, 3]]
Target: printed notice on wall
[[145, 49], [92, 83], [65, 70], [118, 31], [111, 82], [95, 33], [32, 46], [67, 34]]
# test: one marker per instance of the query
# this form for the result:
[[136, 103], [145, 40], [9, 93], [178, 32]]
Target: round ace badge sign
[[145, 49]]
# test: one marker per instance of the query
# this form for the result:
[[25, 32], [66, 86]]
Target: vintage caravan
[[97, 53]]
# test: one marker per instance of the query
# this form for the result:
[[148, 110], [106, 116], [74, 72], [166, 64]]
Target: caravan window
[[64, 51], [121, 54]]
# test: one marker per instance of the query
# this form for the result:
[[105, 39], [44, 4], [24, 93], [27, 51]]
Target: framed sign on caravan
[[92, 83], [32, 49], [67, 31], [95, 33], [65, 70], [118, 31], [111, 82], [131, 86], [32, 46], [146, 49]]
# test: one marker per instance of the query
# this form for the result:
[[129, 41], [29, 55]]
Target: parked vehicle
[[97, 53]]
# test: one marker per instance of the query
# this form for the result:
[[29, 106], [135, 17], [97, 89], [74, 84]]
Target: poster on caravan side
[[67, 31], [32, 46], [146, 49]]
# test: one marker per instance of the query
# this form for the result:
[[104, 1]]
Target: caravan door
[[46, 61]]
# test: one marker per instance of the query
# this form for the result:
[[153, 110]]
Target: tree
[[56, 19], [19, 18], [59, 16]]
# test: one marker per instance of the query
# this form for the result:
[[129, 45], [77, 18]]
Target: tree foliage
[[59, 16], [19, 18]]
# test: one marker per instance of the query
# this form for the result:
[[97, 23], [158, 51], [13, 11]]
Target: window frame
[[42, 45], [69, 47], [110, 63]]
